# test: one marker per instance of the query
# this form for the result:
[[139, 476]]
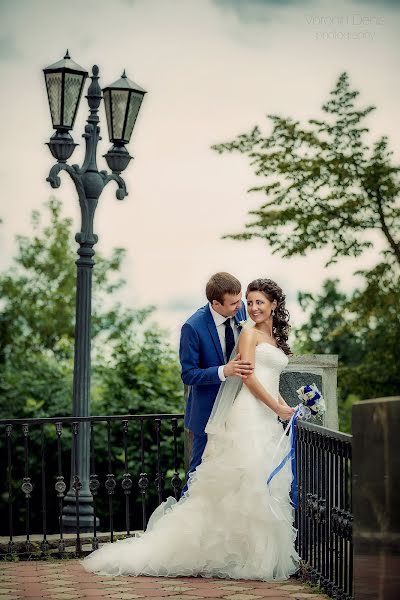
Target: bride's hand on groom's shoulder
[[239, 368]]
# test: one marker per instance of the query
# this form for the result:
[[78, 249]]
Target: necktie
[[229, 339]]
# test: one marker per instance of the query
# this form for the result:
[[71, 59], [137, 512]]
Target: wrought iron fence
[[324, 516], [323, 519], [53, 438]]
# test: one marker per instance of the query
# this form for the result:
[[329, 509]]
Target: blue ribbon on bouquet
[[311, 404], [291, 455]]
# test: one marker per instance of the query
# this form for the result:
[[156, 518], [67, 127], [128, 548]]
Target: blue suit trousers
[[199, 444]]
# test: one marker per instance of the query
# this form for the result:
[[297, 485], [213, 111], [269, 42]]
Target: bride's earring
[[273, 312]]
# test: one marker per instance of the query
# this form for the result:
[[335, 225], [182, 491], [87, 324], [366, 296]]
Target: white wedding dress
[[230, 524]]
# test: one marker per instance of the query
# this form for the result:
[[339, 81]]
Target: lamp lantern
[[122, 101], [65, 80]]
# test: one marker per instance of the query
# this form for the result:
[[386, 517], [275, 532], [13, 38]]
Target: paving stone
[[236, 588], [153, 586], [198, 580], [124, 596], [242, 597], [154, 592], [271, 593], [7, 584], [68, 580], [92, 593], [304, 595], [113, 582], [66, 595], [32, 586], [144, 577], [35, 597], [269, 590], [261, 584], [277, 596], [59, 581], [52, 575], [139, 583], [177, 588], [211, 591], [167, 581], [185, 597]]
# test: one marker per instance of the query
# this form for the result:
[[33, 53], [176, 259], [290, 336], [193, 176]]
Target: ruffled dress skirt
[[230, 524]]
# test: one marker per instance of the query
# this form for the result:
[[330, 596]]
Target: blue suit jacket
[[201, 354]]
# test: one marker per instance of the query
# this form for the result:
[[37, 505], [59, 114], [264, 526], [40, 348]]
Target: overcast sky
[[212, 69]]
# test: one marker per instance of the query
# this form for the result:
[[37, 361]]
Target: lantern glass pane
[[119, 102], [134, 106], [53, 83], [72, 88], [107, 101]]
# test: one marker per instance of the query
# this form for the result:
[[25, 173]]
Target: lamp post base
[[85, 510]]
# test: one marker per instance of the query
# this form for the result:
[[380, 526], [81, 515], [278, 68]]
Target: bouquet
[[311, 404]]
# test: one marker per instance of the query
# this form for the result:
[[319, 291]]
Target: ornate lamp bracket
[[89, 182], [121, 190]]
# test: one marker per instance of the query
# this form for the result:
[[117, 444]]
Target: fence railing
[[324, 516], [121, 481], [128, 443]]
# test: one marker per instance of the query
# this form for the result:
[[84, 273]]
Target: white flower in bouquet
[[312, 402]]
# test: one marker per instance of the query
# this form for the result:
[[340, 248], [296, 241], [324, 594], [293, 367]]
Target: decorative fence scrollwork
[[118, 483]]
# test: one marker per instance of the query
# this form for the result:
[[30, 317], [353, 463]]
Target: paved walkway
[[67, 580]]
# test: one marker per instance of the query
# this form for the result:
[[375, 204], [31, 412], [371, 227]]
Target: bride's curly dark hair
[[280, 321]]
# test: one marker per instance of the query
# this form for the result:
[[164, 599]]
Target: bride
[[229, 523]]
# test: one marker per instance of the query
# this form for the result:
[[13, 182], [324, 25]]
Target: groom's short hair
[[221, 284]]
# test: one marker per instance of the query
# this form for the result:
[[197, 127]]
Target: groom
[[207, 340]]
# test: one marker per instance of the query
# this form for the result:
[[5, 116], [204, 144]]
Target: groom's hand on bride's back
[[238, 367]]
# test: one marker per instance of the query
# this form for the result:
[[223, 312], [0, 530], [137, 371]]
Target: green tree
[[325, 332], [363, 328], [325, 185], [134, 367], [37, 316]]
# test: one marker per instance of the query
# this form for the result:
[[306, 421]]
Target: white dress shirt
[[219, 321]]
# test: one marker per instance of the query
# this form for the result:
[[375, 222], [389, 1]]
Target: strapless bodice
[[269, 364], [249, 413]]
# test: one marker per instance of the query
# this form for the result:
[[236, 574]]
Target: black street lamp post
[[65, 81]]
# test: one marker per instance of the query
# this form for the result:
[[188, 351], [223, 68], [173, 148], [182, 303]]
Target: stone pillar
[[376, 504], [320, 369]]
